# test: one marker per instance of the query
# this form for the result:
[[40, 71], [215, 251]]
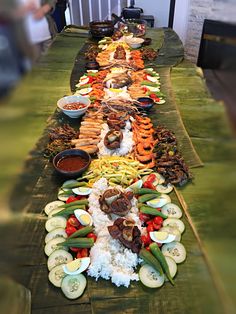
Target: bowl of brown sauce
[[73, 106], [71, 162]]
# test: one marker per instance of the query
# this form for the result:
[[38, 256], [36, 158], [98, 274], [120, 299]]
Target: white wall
[[158, 8], [181, 18]]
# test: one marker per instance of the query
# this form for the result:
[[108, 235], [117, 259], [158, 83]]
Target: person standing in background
[[40, 26]]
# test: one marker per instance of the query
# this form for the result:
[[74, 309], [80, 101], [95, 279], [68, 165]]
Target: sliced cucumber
[[164, 188], [59, 257], [62, 196], [172, 230], [52, 205], [56, 275], [73, 286], [172, 211], [159, 201], [175, 250], [174, 222], [172, 267], [56, 233], [150, 277], [54, 211], [82, 190], [55, 222], [52, 246]]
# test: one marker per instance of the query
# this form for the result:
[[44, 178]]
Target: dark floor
[[222, 85]]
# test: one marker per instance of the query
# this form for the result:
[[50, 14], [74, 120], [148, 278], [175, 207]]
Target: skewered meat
[[127, 233]]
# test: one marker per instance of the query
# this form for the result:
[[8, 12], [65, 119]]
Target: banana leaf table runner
[[195, 291]]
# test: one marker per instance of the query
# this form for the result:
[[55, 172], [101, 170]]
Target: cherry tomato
[[78, 255], [149, 185], [149, 222], [148, 248], [144, 217], [156, 226], [70, 230], [74, 249], [145, 239], [158, 220], [72, 199], [68, 225], [84, 252], [150, 228], [73, 221], [151, 178], [93, 236]]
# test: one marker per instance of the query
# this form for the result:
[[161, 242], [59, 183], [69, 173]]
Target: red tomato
[[78, 255], [73, 222], [149, 222], [74, 249], [93, 236], [150, 228], [149, 185], [158, 220], [84, 252], [148, 248], [144, 217], [70, 230], [72, 199], [145, 239], [156, 226], [68, 225], [151, 178]]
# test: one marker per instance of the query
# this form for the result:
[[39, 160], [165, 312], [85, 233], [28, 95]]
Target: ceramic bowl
[[71, 99], [100, 29], [68, 153], [145, 103]]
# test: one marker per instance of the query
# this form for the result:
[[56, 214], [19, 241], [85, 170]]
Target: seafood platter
[[118, 220]]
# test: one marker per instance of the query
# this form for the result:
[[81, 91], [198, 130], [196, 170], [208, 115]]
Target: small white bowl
[[70, 99], [134, 42]]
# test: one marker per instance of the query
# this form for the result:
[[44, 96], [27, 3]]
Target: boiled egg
[[82, 190], [159, 201], [84, 91], [164, 188], [76, 266], [84, 218], [136, 185], [153, 79], [162, 237]]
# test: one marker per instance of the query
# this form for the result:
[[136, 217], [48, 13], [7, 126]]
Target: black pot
[[100, 29]]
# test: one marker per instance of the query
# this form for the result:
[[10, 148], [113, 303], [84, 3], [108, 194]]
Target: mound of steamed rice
[[126, 145], [109, 258]]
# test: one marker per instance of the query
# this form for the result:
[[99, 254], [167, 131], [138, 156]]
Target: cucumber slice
[[52, 205], [174, 222], [56, 233], [59, 257], [159, 201], [172, 230], [73, 286], [56, 275], [172, 267], [61, 195], [55, 222], [161, 101], [172, 211], [54, 211], [150, 277], [175, 250], [166, 189], [82, 190], [52, 246]]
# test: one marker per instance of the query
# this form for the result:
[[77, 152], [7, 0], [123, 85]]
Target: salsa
[[74, 106], [71, 163]]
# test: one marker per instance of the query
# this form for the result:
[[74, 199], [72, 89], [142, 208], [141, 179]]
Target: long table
[[205, 282]]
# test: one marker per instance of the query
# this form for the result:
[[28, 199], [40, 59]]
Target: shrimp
[[144, 158]]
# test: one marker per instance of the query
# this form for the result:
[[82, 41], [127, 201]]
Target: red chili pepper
[[72, 199], [151, 178]]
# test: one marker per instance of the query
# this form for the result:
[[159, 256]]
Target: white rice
[[126, 145], [109, 258]]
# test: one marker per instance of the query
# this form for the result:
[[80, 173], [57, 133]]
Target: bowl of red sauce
[[71, 162], [145, 102], [73, 106]]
